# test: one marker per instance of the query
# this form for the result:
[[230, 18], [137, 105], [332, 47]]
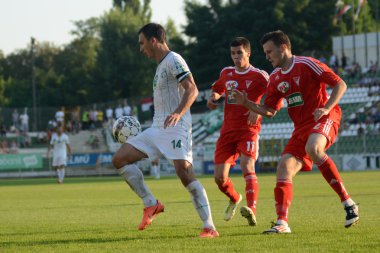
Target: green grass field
[[102, 215]]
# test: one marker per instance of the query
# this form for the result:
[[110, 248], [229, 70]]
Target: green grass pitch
[[102, 214]]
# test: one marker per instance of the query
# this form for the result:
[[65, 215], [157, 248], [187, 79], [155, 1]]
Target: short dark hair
[[153, 30], [241, 41], [277, 37]]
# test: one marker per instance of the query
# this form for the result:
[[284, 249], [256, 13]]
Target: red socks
[[251, 190], [331, 174], [283, 194], [228, 189]]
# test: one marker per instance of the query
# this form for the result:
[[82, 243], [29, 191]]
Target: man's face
[[273, 54], [146, 46], [240, 56]]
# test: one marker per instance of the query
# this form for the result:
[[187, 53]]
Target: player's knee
[[314, 151]]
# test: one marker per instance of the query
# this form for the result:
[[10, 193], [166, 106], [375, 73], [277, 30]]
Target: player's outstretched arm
[[191, 93], [241, 98]]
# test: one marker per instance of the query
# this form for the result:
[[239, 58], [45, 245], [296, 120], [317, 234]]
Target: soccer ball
[[125, 127]]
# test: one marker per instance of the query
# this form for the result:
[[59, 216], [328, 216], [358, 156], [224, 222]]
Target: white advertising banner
[[361, 162]]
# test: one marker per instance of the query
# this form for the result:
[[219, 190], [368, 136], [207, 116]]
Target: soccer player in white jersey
[[174, 91], [61, 148]]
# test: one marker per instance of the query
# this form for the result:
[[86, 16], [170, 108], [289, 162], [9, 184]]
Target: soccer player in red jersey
[[240, 129], [316, 117]]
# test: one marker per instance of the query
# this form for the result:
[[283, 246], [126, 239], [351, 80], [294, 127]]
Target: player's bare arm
[[212, 103], [242, 99], [336, 95], [252, 117], [68, 150], [191, 93]]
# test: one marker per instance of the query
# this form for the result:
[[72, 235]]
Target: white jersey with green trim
[[167, 90]]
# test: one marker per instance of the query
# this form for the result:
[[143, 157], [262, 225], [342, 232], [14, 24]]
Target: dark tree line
[[103, 62]]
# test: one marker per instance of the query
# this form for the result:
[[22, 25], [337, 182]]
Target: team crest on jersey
[[231, 85], [229, 74], [155, 81], [277, 77], [283, 87], [296, 79], [248, 83]]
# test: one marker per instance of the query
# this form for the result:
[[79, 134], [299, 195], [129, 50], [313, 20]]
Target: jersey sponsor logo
[[283, 87], [294, 99], [230, 86], [248, 83], [296, 79]]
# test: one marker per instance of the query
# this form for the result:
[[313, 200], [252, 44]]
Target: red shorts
[[233, 143], [327, 126]]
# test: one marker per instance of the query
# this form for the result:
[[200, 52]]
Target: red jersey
[[303, 86], [254, 81]]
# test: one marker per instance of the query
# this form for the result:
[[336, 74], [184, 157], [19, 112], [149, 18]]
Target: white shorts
[[174, 143], [59, 161]]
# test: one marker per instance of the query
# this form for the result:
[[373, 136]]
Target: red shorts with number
[[327, 126], [233, 143]]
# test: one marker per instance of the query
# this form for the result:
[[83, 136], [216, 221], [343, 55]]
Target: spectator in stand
[[75, 119], [3, 130], [333, 62], [22, 140], [52, 124], [109, 116], [374, 67], [15, 118], [60, 116], [127, 109], [344, 61], [42, 137], [4, 147], [93, 114], [85, 120], [24, 119], [322, 59], [13, 149], [118, 111], [99, 121]]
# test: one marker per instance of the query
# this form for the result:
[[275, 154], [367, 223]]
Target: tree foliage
[[103, 62]]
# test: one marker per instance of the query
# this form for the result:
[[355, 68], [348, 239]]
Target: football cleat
[[278, 229], [247, 213], [209, 233], [230, 210], [150, 213], [352, 217]]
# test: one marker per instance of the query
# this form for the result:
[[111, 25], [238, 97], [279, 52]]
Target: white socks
[[135, 179], [348, 202], [155, 171], [61, 175], [200, 202]]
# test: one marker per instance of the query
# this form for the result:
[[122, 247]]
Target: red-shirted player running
[[239, 133], [316, 116]]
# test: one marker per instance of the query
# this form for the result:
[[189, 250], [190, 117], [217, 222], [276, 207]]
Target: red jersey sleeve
[[322, 72], [218, 86]]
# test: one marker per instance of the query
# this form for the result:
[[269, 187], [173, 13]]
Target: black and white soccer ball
[[125, 127]]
